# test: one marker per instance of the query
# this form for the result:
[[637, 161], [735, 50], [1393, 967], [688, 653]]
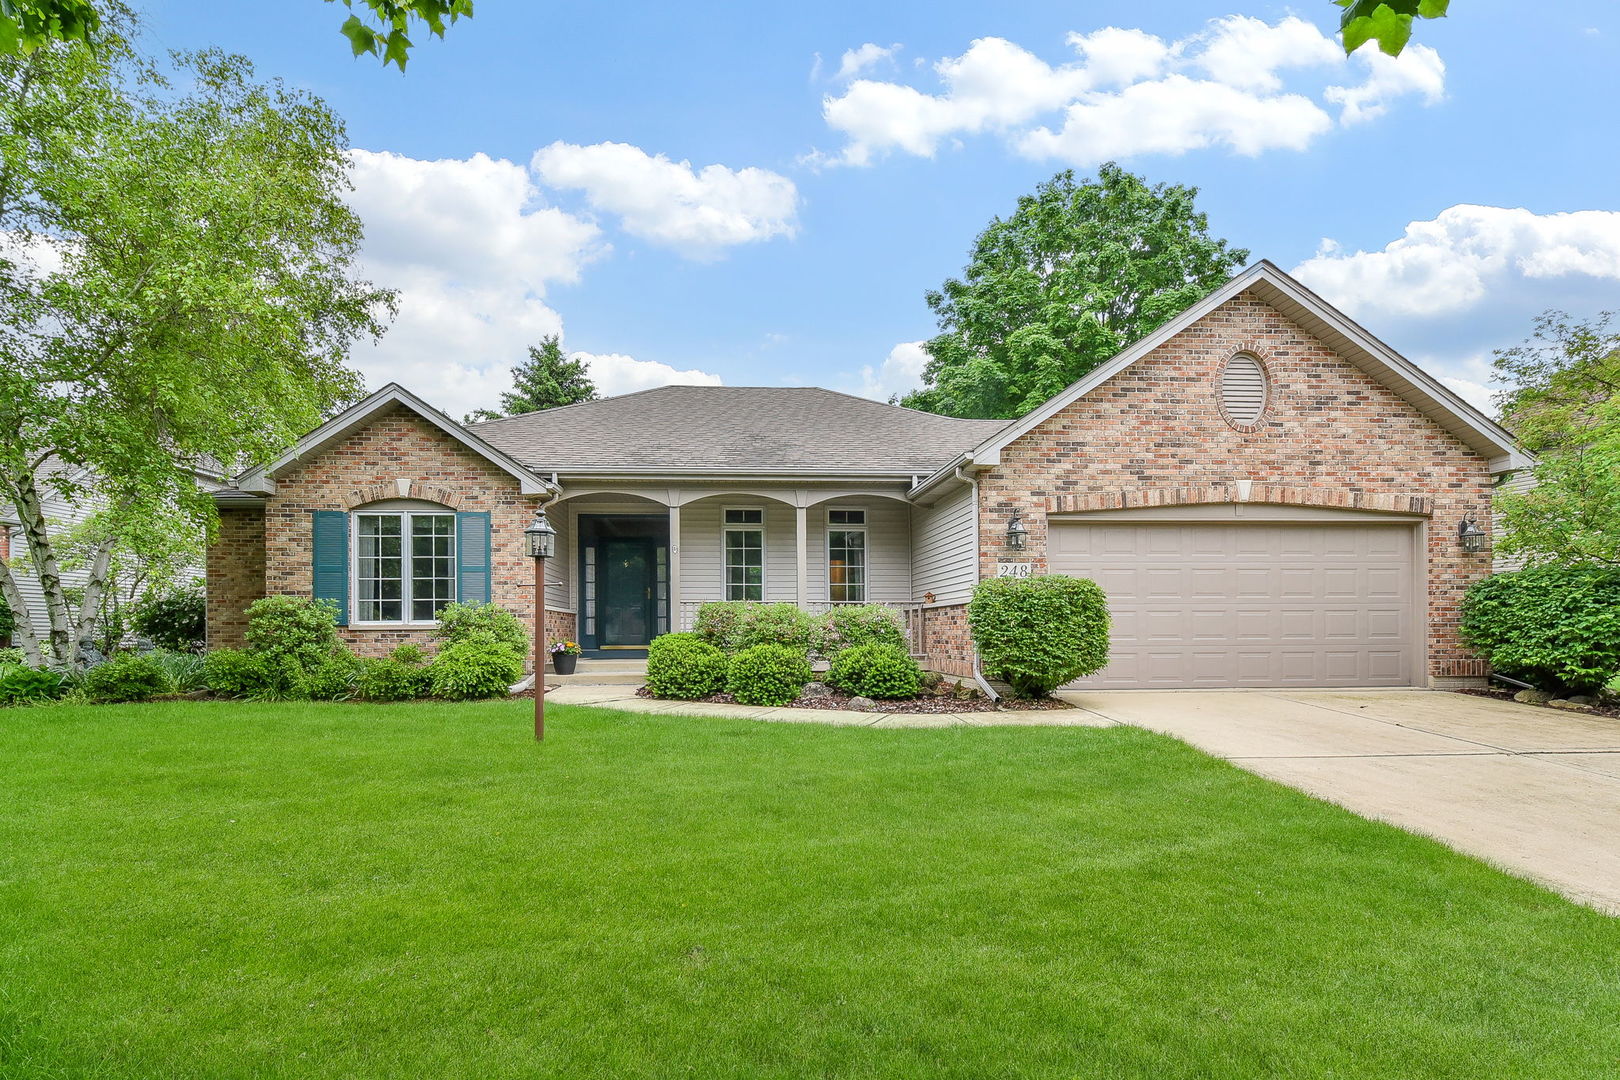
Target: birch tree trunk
[[60, 647], [22, 629]]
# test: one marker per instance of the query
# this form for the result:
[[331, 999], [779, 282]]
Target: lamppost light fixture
[[541, 537], [1017, 532], [1470, 535]]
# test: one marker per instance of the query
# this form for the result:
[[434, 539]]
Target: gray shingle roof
[[762, 428]]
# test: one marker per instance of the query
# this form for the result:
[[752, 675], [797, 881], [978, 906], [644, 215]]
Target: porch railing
[[911, 615]]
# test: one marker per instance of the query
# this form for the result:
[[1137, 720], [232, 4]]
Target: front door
[[627, 591]]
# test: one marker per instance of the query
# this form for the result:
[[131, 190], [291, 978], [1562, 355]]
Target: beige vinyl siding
[[888, 549], [561, 570], [1516, 483], [945, 556], [702, 571]]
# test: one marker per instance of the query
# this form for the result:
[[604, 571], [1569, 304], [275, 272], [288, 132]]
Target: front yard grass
[[246, 890]]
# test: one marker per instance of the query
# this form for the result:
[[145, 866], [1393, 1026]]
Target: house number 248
[[1015, 569]]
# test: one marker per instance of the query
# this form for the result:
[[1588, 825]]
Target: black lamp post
[[542, 545]]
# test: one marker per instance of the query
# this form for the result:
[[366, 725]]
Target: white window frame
[[406, 557], [866, 551], [764, 550]]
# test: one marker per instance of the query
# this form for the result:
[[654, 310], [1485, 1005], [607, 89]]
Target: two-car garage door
[[1211, 603]]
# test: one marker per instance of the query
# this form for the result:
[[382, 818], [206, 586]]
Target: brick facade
[[946, 645], [1330, 436], [396, 455]]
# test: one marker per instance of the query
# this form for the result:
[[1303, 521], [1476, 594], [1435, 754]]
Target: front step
[[602, 673]]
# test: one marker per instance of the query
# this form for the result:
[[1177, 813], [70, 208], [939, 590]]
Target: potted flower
[[564, 655]]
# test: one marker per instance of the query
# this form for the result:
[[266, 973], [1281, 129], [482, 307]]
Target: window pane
[[379, 586], [846, 517], [433, 564], [745, 517], [745, 561]]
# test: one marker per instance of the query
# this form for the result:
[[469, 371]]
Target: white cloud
[[858, 60], [901, 371], [1471, 279], [698, 212], [1129, 92], [472, 247], [615, 373]]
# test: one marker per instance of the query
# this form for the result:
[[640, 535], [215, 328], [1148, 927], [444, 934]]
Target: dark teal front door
[[627, 591]]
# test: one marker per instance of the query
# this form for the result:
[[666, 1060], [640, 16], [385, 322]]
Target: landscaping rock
[[1533, 697], [816, 690], [1582, 699], [1568, 706], [861, 704]]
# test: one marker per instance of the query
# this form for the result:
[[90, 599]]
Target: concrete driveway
[[1532, 790]]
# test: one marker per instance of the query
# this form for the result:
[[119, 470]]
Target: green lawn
[[234, 890]]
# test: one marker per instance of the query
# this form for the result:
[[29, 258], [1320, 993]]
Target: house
[[1269, 495]]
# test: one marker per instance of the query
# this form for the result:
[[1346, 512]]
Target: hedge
[[1041, 632]]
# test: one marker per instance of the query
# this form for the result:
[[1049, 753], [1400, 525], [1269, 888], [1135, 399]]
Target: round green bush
[[239, 674], [20, 685], [388, 678], [718, 620], [1041, 632], [174, 620], [768, 674], [334, 678], [479, 665], [127, 677], [849, 625], [684, 666], [875, 671], [292, 630], [1555, 626], [733, 625], [459, 622]]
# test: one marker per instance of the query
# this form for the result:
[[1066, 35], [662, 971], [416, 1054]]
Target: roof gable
[[262, 481], [1330, 326]]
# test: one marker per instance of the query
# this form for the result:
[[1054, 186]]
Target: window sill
[[393, 626]]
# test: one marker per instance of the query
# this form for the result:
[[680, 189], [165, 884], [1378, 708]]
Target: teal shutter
[[472, 558], [331, 553]]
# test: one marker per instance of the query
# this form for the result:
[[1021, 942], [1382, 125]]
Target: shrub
[[185, 669], [292, 630], [733, 625], [768, 674], [390, 679], [8, 621], [1554, 626], [174, 620], [12, 656], [1039, 633], [127, 677], [241, 674], [875, 671], [849, 625], [409, 653], [21, 685], [333, 679], [459, 622], [684, 666], [478, 665], [717, 621]]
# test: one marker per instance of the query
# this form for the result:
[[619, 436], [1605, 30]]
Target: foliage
[[848, 625], [25, 25], [564, 648], [461, 622], [127, 677], [21, 685], [390, 678], [409, 652], [1041, 632], [546, 380], [186, 670], [292, 630], [1079, 271], [1555, 626], [768, 674], [238, 673], [12, 656], [875, 671], [173, 620], [386, 37], [684, 666], [1388, 22], [476, 664], [180, 285], [732, 625], [717, 621], [334, 678], [1561, 404], [7, 621]]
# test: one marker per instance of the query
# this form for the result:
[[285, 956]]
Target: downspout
[[973, 487]]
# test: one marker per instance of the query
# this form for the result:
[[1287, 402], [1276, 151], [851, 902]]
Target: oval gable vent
[[1243, 389]]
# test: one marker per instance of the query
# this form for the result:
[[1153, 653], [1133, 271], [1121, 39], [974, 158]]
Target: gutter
[[973, 486]]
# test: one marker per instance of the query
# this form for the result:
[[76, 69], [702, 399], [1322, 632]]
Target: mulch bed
[[928, 703], [1610, 711]]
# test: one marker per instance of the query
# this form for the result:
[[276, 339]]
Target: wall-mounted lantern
[[1470, 535], [1017, 532]]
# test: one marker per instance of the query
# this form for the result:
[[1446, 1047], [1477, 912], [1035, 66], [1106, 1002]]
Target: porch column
[[675, 562], [802, 513]]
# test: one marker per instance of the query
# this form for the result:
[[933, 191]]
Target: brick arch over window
[[1239, 492], [392, 490], [1273, 393]]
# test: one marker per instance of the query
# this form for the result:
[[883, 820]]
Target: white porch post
[[675, 561], [802, 513]]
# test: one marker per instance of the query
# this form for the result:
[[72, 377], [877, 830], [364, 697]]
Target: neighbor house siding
[[944, 558], [1331, 434], [1513, 484]]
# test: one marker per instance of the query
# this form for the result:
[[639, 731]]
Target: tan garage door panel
[[1260, 604]]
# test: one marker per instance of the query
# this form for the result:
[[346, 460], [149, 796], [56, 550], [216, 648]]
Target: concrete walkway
[[1533, 791]]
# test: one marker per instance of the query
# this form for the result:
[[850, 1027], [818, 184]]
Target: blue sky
[[743, 193]]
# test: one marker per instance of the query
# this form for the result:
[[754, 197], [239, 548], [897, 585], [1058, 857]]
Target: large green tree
[[1077, 272], [1563, 403], [177, 285], [381, 28], [547, 379]]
